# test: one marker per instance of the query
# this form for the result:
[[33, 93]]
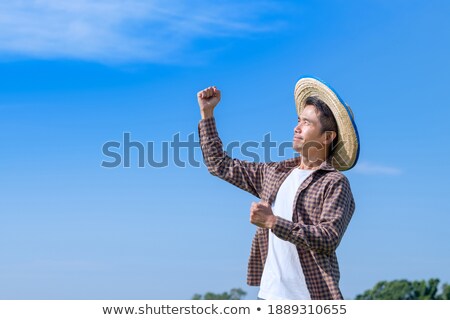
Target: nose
[[298, 128]]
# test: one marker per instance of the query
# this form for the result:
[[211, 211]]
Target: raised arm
[[248, 176]]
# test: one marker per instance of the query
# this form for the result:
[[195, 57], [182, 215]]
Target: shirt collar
[[294, 162]]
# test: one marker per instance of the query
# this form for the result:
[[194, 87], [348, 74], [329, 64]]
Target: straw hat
[[347, 149]]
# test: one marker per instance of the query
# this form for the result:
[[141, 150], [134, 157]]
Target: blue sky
[[75, 76]]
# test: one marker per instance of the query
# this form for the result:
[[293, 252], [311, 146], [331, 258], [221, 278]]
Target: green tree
[[445, 295], [234, 294], [406, 290]]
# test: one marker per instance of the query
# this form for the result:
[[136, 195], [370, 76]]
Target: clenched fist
[[261, 215], [207, 100]]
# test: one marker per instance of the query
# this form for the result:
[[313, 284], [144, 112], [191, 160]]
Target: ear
[[329, 137]]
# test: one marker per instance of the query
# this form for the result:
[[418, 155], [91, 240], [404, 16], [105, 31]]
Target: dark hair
[[326, 118]]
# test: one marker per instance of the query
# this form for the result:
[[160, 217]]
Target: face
[[308, 132]]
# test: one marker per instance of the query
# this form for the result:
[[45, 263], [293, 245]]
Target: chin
[[297, 147]]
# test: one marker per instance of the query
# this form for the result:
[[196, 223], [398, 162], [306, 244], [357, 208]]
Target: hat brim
[[346, 151]]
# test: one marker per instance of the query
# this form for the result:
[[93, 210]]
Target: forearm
[[210, 143], [317, 238], [326, 234]]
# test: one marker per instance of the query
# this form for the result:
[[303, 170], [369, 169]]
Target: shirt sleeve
[[338, 208], [246, 175]]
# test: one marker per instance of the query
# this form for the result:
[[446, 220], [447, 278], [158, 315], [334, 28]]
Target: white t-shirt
[[283, 277]]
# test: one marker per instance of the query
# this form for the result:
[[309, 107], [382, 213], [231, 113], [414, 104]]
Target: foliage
[[234, 294], [406, 290]]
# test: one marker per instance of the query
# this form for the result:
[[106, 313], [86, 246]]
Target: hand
[[261, 215], [207, 100]]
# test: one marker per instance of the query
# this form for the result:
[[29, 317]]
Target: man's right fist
[[207, 100]]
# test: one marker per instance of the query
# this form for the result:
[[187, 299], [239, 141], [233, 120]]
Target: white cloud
[[123, 30], [370, 168]]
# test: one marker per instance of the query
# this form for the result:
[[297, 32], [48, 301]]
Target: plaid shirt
[[323, 207]]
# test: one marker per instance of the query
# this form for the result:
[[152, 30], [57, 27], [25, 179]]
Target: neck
[[310, 165], [312, 160]]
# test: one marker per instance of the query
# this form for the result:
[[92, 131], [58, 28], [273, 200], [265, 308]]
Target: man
[[306, 203]]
